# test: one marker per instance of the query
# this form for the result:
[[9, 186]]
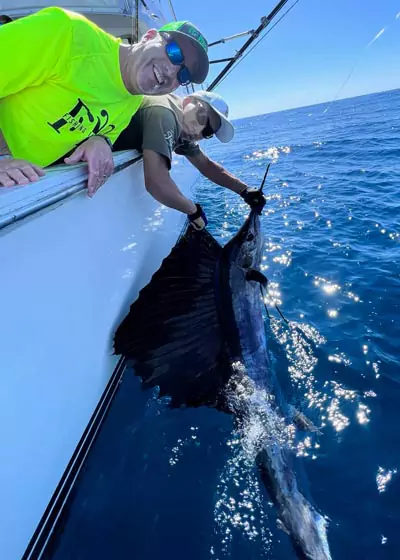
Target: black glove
[[254, 199], [198, 219]]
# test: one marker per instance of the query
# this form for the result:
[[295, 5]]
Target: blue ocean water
[[176, 483], [332, 255]]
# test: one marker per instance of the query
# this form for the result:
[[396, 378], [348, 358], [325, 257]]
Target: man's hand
[[254, 198], [98, 154], [198, 219], [18, 172]]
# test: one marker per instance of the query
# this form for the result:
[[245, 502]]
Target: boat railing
[[59, 183]]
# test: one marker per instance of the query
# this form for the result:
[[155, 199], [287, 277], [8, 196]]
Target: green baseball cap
[[184, 29]]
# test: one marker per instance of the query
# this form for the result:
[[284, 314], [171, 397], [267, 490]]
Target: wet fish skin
[[263, 402]]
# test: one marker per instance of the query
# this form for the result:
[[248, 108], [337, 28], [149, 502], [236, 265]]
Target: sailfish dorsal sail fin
[[172, 332]]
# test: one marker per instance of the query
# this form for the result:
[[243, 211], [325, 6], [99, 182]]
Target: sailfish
[[197, 333]]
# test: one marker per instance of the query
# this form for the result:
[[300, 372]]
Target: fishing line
[[281, 314], [355, 65], [264, 297], [371, 42]]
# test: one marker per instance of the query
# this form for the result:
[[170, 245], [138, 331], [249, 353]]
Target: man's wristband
[[106, 139], [197, 214]]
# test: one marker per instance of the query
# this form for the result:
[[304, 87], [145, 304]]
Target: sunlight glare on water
[[240, 508], [332, 254], [383, 478]]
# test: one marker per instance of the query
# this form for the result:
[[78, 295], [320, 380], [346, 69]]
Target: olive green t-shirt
[[156, 127]]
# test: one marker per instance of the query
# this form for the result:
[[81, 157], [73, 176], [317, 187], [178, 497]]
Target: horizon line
[[332, 102]]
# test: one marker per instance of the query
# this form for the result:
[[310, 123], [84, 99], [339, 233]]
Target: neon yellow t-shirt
[[60, 83]]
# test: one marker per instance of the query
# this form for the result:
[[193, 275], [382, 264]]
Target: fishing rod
[[265, 21]]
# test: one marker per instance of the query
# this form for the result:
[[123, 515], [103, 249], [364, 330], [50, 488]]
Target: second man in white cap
[[167, 124]]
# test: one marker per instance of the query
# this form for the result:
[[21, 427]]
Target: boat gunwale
[[99, 9], [74, 182]]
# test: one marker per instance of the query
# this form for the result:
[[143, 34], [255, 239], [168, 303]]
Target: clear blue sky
[[308, 55]]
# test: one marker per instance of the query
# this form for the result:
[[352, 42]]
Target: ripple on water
[[240, 509], [332, 255]]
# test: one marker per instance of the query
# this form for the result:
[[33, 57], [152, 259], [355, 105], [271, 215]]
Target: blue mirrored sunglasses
[[175, 55]]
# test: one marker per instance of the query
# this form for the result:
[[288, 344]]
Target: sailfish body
[[197, 332]]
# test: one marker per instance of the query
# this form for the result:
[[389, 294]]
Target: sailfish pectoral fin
[[255, 275], [280, 524], [302, 422]]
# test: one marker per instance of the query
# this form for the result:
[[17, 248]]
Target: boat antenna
[[265, 22]]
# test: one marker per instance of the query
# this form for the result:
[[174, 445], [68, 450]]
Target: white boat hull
[[69, 273]]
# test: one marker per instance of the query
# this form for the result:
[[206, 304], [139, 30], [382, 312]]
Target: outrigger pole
[[265, 21]]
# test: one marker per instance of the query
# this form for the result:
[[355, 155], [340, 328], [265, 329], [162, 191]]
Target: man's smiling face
[[196, 116], [154, 72]]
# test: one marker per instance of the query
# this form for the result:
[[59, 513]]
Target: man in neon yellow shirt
[[68, 88]]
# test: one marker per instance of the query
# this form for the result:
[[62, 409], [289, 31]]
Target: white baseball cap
[[226, 132]]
